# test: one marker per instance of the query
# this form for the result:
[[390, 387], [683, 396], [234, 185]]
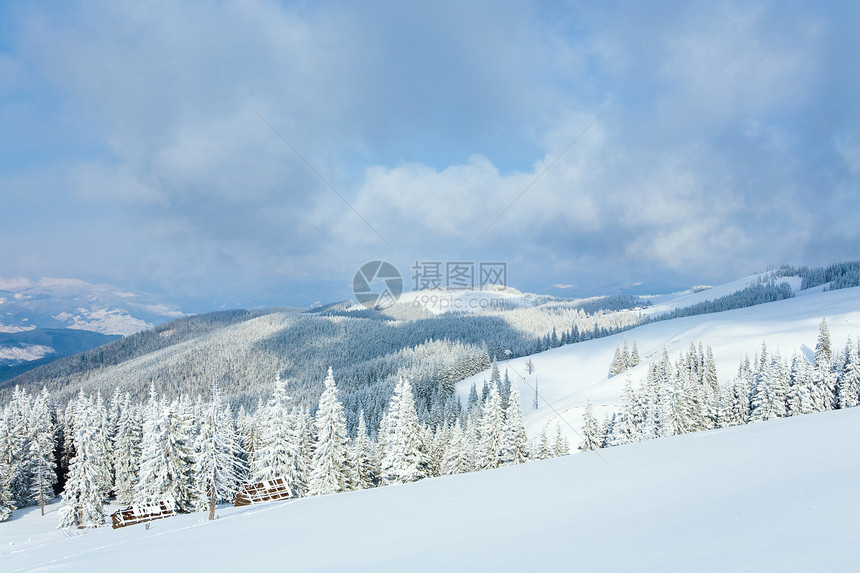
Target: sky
[[257, 153]]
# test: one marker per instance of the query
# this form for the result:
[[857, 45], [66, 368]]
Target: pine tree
[[42, 472], [84, 493], [218, 466], [625, 355], [167, 456], [848, 388], [823, 350], [457, 459], [278, 453], [561, 447], [6, 503], [474, 400], [126, 451], [634, 355], [492, 430], [366, 468], [617, 366], [331, 471], [542, 449], [404, 453], [515, 445], [590, 431], [15, 449], [625, 426]]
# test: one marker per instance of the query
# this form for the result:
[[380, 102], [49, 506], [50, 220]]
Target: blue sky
[[134, 151]]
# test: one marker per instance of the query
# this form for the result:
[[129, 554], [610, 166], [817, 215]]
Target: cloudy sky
[[257, 153]]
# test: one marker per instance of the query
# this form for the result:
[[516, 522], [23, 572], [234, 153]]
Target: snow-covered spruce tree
[[102, 436], [505, 390], [634, 355], [126, 451], [617, 365], [366, 466], [167, 457], [515, 444], [848, 387], [492, 430], [823, 348], [6, 504], [561, 447], [15, 449], [474, 401], [219, 469], [404, 454], [84, 493], [800, 390], [331, 470], [304, 423], [278, 452], [42, 472], [457, 459], [541, 449], [625, 427], [590, 430]]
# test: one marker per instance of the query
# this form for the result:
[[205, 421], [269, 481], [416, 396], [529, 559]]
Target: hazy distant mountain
[[47, 319], [71, 303]]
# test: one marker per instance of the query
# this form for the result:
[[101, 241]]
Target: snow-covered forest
[[195, 451]]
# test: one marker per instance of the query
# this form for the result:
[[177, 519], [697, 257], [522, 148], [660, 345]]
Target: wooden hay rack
[[267, 490], [142, 512]]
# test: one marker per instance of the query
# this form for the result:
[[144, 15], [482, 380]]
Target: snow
[[24, 352], [667, 302], [569, 376], [774, 496]]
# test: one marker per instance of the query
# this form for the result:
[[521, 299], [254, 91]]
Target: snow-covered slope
[[569, 376], [664, 303], [773, 496]]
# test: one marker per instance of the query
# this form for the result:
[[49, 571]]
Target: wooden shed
[[141, 512], [268, 490]]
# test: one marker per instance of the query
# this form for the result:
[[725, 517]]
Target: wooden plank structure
[[267, 490], [141, 512]]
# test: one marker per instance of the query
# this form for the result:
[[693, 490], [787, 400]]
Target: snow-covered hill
[[661, 304], [761, 497], [569, 376]]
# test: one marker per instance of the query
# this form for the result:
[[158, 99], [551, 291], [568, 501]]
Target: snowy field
[[773, 496], [569, 376]]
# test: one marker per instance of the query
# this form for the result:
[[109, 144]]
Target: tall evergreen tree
[[126, 451], [515, 444], [492, 430], [848, 387], [278, 453], [84, 493], [219, 469], [823, 349], [590, 430], [405, 456], [365, 467], [331, 471], [167, 457], [42, 472]]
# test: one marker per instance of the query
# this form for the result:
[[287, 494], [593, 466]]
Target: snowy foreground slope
[[569, 376], [773, 496]]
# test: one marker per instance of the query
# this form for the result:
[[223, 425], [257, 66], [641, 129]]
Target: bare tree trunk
[[212, 498]]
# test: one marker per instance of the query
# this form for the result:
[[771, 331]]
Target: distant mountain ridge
[[45, 319], [71, 303]]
